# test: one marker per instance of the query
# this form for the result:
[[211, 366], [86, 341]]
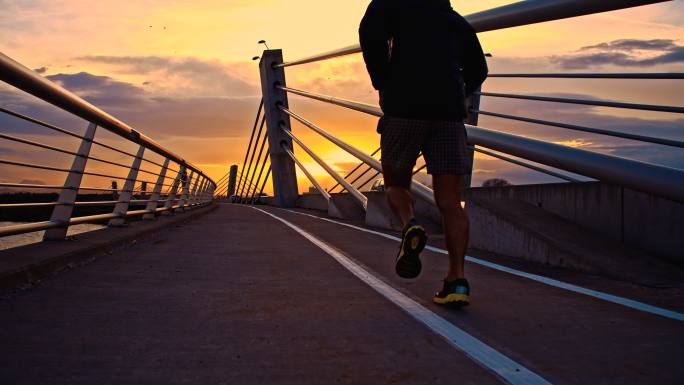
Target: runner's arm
[[374, 34], [474, 64]]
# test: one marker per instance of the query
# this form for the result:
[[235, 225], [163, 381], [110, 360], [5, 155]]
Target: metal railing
[[176, 183], [549, 158]]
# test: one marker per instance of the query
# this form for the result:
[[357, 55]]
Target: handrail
[[659, 180], [39, 226], [197, 187], [29, 81], [508, 16]]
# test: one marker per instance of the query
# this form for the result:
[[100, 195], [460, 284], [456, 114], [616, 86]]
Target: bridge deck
[[238, 297]]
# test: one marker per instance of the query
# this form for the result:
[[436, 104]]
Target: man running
[[425, 60]]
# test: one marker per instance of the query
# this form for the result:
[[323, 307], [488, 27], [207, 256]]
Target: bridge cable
[[354, 170], [261, 192], [256, 121], [256, 164], [263, 165], [251, 159]]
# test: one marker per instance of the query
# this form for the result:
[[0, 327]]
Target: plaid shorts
[[443, 144]]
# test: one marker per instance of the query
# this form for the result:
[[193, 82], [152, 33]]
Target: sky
[[181, 72]]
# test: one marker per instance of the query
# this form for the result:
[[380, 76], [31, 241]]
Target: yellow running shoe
[[454, 293]]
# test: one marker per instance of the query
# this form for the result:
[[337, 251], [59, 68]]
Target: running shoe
[[413, 241], [454, 293]]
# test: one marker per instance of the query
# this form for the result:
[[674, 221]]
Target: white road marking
[[630, 303], [509, 370]]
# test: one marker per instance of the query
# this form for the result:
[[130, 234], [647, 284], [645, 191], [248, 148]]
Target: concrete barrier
[[632, 218], [312, 202], [344, 206]]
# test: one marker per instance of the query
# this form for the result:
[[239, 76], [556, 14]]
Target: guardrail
[[177, 184], [655, 179]]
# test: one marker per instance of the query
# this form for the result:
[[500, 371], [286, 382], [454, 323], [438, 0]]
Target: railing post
[[173, 193], [472, 104], [232, 180], [125, 197], [186, 191], [154, 198], [196, 189], [284, 176], [200, 191], [193, 191], [67, 197]]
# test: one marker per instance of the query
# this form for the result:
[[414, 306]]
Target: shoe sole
[[408, 263], [454, 300]]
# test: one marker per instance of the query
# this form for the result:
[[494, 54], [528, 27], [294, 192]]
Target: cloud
[[156, 115], [633, 45], [181, 74], [101, 90], [41, 70], [625, 53]]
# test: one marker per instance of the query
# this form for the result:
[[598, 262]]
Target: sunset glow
[[182, 73]]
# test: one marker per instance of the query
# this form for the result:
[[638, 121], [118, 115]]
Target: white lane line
[[630, 303], [509, 370]]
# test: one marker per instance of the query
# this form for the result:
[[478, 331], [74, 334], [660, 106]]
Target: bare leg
[[455, 220], [398, 195], [401, 203]]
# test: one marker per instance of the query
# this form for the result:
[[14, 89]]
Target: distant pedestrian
[[425, 60]]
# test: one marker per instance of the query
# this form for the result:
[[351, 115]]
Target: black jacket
[[422, 56]]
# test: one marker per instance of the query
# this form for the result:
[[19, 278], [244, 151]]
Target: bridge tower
[[285, 189]]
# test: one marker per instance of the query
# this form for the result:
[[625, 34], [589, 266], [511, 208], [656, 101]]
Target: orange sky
[[181, 71]]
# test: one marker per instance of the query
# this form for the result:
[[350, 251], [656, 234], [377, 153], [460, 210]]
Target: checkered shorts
[[443, 144]]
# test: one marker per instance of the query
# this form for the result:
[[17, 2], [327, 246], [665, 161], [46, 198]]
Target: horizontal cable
[[37, 144], [641, 138], [40, 123], [55, 128], [64, 151], [38, 186], [31, 165], [662, 75], [598, 103], [527, 165], [362, 107]]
